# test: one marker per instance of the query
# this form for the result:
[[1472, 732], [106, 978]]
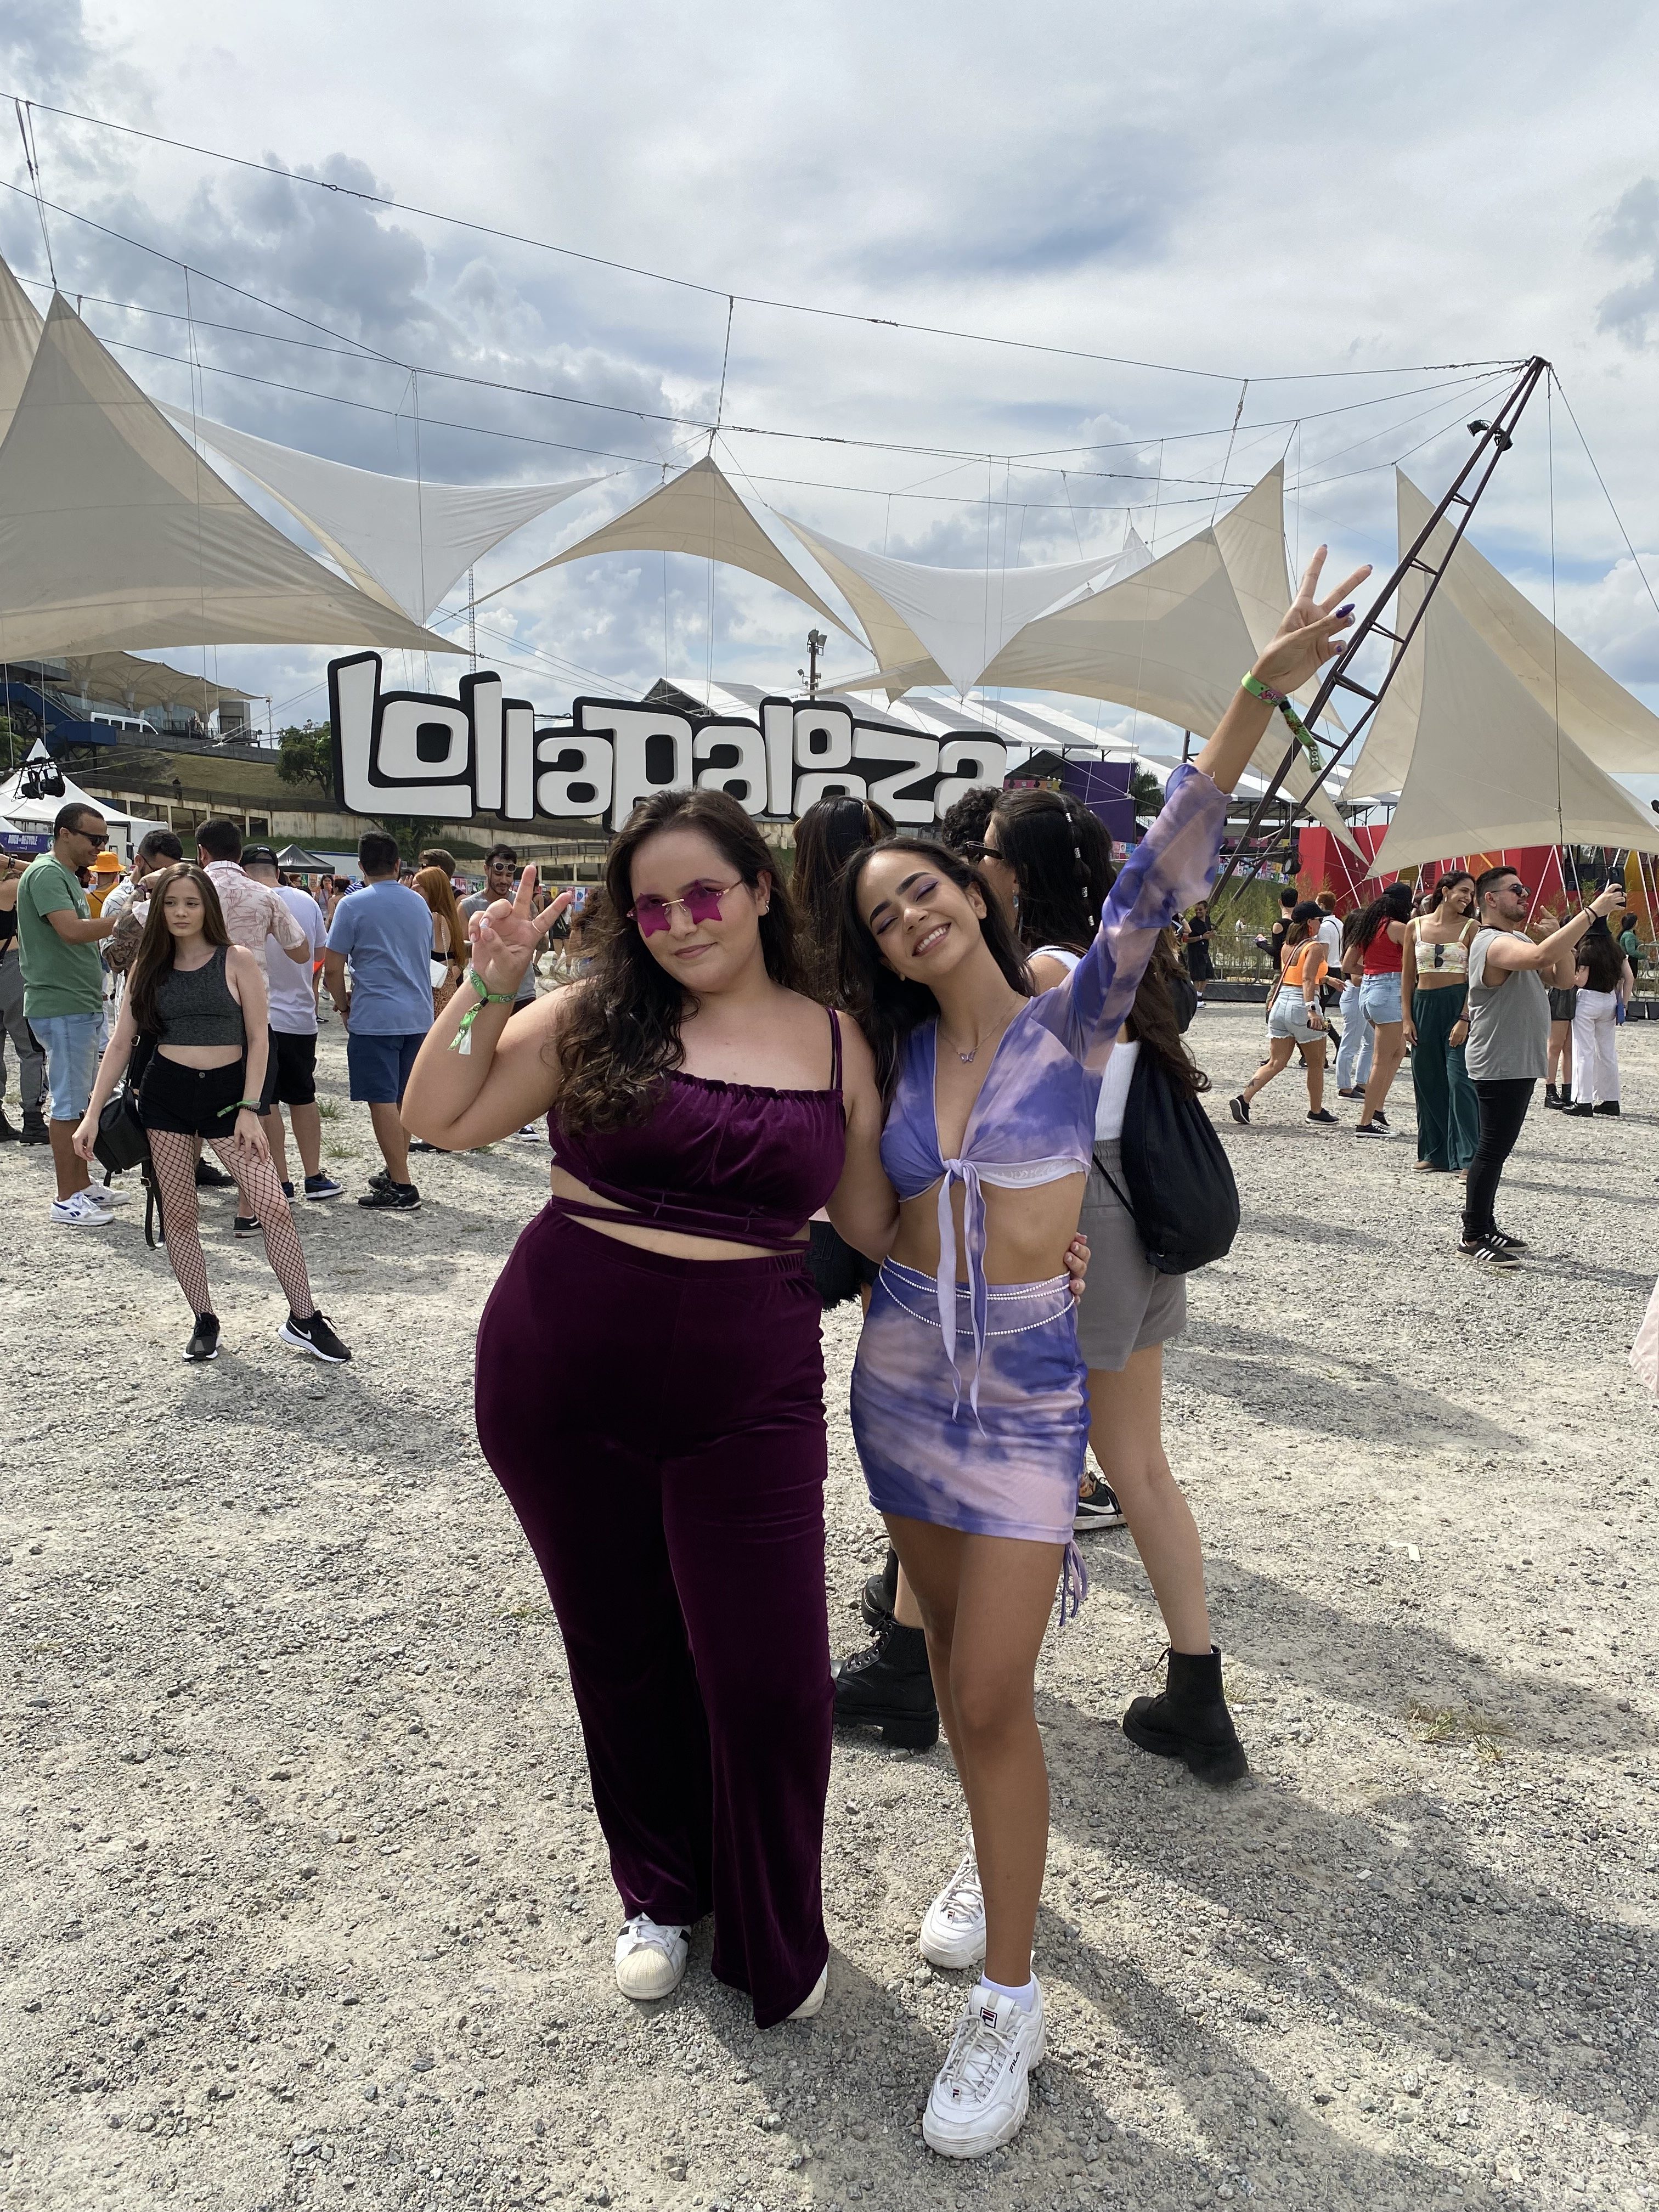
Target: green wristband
[[462, 1040], [489, 998], [1252, 683]]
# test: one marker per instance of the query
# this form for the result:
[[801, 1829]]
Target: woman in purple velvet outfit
[[969, 1398]]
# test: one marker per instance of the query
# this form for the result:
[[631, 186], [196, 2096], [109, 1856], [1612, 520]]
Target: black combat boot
[[881, 1592], [35, 1130], [1189, 1719], [888, 1686]]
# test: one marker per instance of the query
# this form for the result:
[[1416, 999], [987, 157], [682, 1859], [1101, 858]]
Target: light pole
[[815, 642]]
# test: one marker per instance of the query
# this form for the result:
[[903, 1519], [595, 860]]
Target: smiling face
[[708, 932], [182, 906], [501, 878], [1459, 896], [923, 926]]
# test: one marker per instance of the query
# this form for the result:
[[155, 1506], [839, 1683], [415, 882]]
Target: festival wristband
[[462, 1040], [1251, 682]]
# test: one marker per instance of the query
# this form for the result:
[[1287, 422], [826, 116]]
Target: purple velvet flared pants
[[657, 1426]]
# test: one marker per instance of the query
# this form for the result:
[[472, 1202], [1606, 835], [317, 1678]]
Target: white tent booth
[[18, 811]]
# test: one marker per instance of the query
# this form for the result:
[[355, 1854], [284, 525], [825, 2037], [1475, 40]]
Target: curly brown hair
[[622, 1034]]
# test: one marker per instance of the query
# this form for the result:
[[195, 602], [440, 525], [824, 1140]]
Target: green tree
[[412, 831], [306, 755], [1146, 793]]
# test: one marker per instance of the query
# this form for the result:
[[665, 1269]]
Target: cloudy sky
[[1316, 200]]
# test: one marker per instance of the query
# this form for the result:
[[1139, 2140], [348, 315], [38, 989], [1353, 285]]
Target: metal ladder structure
[[1495, 439]]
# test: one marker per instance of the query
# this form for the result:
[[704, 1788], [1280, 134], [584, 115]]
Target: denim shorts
[[1379, 998], [71, 1043], [1288, 1017], [379, 1066]]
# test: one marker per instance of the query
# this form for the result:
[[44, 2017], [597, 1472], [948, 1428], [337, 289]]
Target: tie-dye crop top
[[1034, 1119]]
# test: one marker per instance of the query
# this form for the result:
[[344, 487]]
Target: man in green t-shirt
[[58, 935]]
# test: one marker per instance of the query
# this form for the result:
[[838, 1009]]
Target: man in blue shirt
[[385, 930]]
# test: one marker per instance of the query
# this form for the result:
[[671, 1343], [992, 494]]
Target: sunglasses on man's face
[[702, 903]]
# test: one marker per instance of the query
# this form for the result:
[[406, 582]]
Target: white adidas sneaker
[[953, 1926], [980, 2099], [650, 1959]]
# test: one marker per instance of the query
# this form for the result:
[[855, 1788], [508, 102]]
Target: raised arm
[[1175, 864], [484, 1070]]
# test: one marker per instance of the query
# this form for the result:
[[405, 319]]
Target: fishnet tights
[[174, 1157]]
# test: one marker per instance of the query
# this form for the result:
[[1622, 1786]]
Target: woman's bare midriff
[[673, 1243], [202, 1055], [1026, 1230]]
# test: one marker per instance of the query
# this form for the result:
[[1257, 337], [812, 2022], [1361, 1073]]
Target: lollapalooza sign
[[409, 752]]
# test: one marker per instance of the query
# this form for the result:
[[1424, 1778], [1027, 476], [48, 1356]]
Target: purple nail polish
[[1342, 611]]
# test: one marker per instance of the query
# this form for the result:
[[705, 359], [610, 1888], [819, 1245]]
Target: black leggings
[[1503, 1109]]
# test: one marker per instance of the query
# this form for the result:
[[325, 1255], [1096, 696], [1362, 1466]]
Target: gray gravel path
[[304, 1902]]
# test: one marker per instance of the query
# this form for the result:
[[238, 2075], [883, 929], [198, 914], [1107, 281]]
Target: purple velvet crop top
[[728, 1160], [1034, 1119]]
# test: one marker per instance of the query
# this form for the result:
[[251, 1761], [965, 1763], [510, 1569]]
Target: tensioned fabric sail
[[959, 619], [115, 533], [695, 512], [404, 543], [1614, 731], [1174, 638], [20, 325], [1489, 766]]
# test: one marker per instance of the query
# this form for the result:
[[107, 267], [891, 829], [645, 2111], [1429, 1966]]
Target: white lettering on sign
[[406, 752]]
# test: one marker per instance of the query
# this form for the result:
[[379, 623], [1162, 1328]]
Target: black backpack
[[1180, 1194]]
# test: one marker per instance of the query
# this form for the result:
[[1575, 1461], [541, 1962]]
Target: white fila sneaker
[[979, 2100], [953, 1926]]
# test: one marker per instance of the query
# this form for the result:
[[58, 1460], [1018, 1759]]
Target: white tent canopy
[[21, 326], [405, 542], [695, 512], [1489, 766], [1173, 639], [957, 620], [1613, 730], [20, 813], [115, 533]]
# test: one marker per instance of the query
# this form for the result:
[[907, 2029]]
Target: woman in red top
[[1374, 953]]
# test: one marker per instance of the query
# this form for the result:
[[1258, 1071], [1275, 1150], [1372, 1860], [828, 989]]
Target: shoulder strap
[[835, 1051]]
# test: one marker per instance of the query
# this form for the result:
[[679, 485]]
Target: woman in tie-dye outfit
[[969, 1399]]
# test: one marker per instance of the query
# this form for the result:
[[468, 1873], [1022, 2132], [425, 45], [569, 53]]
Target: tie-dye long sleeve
[[1173, 866]]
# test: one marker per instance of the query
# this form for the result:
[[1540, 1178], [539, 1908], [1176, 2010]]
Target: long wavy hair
[[1063, 857], [886, 1006], [621, 1035], [435, 888], [153, 962], [826, 837], [1437, 896], [1394, 904]]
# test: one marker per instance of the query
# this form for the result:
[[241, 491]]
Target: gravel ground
[[304, 1902]]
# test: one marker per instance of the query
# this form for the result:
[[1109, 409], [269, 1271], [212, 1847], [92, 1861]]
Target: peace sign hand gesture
[[506, 936], [1311, 630]]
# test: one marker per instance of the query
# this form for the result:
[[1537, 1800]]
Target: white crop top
[[1119, 1068]]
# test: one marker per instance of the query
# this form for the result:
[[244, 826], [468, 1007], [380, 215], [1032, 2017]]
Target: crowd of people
[[909, 1077]]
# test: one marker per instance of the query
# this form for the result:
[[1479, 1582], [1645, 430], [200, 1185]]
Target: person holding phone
[[1296, 1020]]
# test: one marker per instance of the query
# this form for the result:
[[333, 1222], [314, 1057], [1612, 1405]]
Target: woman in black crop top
[[196, 1011]]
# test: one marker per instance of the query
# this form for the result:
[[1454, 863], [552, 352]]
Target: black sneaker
[[391, 1197], [1374, 1128], [1607, 1106], [1352, 1091], [204, 1338], [1379, 1118], [1097, 1508], [323, 1186], [288, 1190], [1510, 1244], [207, 1177], [315, 1336], [246, 1223], [1323, 1114], [888, 1686], [1488, 1252], [1239, 1108]]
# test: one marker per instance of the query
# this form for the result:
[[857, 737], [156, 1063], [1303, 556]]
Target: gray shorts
[[1126, 1304]]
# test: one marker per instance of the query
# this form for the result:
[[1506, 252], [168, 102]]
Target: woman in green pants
[[1435, 980]]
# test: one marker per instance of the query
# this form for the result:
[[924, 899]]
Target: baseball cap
[[262, 853]]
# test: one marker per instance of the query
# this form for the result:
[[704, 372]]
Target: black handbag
[[1180, 1194], [121, 1143]]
